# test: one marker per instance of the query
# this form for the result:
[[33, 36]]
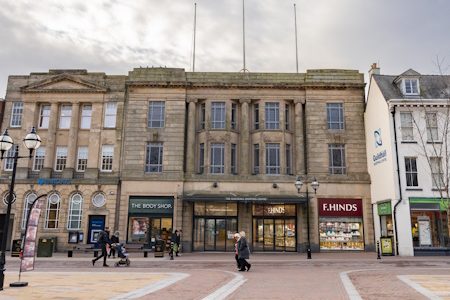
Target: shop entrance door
[[215, 234], [274, 234]]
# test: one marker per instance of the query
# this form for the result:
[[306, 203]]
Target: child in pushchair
[[122, 254]]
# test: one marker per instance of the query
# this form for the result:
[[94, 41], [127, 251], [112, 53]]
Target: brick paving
[[273, 276]]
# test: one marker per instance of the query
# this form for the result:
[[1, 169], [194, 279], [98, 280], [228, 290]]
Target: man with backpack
[[103, 241]]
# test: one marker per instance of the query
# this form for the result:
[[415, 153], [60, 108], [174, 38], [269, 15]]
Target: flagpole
[[296, 43]]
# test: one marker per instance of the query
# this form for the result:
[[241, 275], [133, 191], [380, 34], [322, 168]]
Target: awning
[[417, 203], [244, 199]]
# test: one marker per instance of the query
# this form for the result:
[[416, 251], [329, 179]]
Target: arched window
[[75, 212], [52, 216], [29, 199]]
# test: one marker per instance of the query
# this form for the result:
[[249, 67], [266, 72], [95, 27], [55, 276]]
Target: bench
[[138, 248], [83, 248]]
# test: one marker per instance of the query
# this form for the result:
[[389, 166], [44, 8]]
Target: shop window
[[432, 126], [16, 114], [411, 171], [107, 158], [44, 116], [217, 158], [272, 115], [9, 162], [341, 233], [110, 115], [156, 111], [215, 209], [336, 153], [39, 156], [138, 228], [86, 116], [52, 216], [29, 199], [82, 158], [65, 116], [335, 116], [429, 228], [406, 123], [61, 158], [75, 212], [272, 158], [154, 159], [218, 115]]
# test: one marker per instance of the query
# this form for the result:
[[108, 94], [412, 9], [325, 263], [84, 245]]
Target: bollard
[[378, 250], [145, 254], [69, 253]]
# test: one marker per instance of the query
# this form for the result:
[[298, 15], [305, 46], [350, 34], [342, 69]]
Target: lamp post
[[32, 141], [315, 186]]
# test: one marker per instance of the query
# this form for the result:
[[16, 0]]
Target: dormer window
[[410, 86]]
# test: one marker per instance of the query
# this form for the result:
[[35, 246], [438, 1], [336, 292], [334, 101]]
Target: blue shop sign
[[54, 181]]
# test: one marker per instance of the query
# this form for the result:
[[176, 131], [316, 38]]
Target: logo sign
[[53, 181], [340, 207], [377, 136], [151, 205]]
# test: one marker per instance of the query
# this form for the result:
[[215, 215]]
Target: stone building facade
[[215, 153]]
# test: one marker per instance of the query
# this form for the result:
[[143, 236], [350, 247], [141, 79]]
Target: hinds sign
[[340, 207]]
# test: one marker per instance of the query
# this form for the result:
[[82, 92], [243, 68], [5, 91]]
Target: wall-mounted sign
[[336, 207], [384, 209], [54, 181], [377, 137], [380, 156], [246, 198], [152, 205]]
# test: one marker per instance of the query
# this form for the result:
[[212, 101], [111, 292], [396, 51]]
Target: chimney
[[374, 69]]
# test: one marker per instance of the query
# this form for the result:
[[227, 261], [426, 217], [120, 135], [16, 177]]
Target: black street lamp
[[315, 186], [32, 141]]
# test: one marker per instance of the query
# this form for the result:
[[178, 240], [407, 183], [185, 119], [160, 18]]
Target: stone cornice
[[84, 85]]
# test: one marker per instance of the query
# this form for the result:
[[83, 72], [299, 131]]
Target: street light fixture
[[32, 141], [315, 185]]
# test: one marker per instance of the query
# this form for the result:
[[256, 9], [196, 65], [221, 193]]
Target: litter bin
[[159, 248], [45, 247]]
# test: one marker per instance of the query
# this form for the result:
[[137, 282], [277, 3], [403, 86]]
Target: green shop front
[[429, 225], [149, 219], [384, 210]]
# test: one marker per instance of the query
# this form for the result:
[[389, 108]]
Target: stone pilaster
[[190, 145], [298, 145], [244, 137], [73, 134], [50, 144]]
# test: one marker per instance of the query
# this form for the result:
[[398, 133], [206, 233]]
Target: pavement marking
[[151, 288], [348, 285], [227, 289], [420, 288]]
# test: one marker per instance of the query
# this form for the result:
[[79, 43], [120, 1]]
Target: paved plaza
[[214, 276]]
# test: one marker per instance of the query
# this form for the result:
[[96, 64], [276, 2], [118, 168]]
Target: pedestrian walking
[[236, 249], [173, 245], [178, 241], [114, 240], [243, 252], [104, 242]]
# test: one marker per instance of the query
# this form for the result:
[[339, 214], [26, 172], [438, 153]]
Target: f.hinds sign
[[340, 207]]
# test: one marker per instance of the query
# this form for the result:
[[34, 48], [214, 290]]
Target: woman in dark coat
[[243, 252], [114, 240]]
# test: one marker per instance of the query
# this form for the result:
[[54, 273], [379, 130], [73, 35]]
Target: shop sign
[[54, 181], [384, 209], [248, 199], [151, 205], [381, 155], [386, 246], [340, 207]]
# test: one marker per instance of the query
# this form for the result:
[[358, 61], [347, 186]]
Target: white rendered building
[[405, 121]]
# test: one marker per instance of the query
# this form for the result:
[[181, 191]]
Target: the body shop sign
[[334, 207], [150, 205]]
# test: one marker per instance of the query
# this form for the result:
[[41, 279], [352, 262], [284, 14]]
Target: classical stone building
[[211, 154]]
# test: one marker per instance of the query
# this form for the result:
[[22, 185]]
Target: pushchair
[[122, 254]]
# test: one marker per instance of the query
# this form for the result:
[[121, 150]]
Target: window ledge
[[408, 142], [438, 190], [434, 142], [414, 189]]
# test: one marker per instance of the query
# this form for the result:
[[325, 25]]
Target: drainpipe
[[399, 182]]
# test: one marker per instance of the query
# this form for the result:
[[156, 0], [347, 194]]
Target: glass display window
[[341, 234], [387, 226], [428, 228]]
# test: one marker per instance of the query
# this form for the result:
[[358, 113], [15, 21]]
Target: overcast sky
[[114, 36]]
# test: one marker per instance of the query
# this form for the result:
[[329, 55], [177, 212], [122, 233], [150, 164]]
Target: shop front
[[274, 227], [429, 223], [149, 219], [215, 224], [341, 224], [384, 210]]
